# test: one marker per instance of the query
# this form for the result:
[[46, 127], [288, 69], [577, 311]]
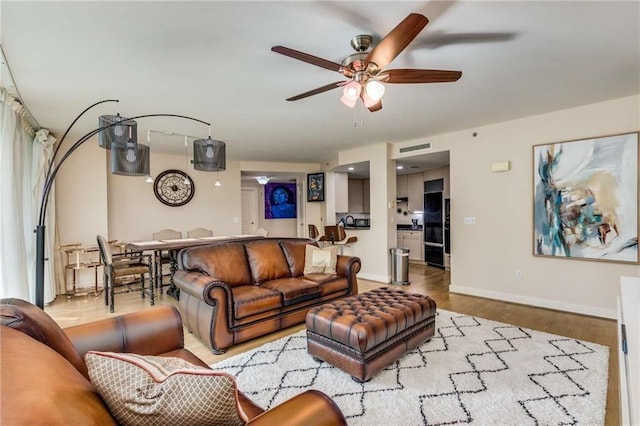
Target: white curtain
[[20, 167]]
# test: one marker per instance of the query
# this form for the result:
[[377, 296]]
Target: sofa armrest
[[199, 285], [148, 332], [310, 408], [349, 266]]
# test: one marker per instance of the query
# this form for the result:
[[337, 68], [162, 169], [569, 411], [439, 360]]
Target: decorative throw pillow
[[320, 260], [154, 390]]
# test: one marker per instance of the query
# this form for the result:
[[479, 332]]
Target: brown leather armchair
[[44, 378]]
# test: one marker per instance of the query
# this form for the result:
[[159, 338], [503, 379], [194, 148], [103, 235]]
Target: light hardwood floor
[[425, 280]]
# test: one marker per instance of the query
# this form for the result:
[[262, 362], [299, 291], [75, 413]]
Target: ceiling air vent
[[416, 147]]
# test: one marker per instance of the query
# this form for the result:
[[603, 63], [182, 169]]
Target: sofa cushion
[[39, 386], [225, 262], [294, 290], [144, 390], [329, 283], [266, 260], [320, 260], [250, 300], [294, 250]]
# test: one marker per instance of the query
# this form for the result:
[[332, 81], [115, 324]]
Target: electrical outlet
[[469, 220], [518, 273]]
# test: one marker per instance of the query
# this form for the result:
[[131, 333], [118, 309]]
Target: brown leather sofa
[[236, 291], [44, 380]]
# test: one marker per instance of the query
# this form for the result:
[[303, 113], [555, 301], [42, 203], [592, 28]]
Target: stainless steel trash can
[[400, 266]]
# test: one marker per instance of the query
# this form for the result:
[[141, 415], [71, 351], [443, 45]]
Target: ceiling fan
[[364, 69]]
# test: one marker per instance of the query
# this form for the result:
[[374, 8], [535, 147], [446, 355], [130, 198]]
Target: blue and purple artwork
[[280, 200], [586, 199]]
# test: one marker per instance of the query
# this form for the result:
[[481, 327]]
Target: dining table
[[173, 247]]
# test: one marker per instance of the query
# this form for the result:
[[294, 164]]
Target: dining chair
[[337, 235], [315, 234], [200, 233], [164, 257], [122, 265]]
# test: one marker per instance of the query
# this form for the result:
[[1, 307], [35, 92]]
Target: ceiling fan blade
[[317, 91], [376, 107], [399, 38], [405, 76], [305, 57]]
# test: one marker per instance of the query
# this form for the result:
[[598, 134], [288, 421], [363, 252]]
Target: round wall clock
[[170, 188]]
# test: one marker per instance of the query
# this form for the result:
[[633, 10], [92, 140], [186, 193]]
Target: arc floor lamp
[[138, 156]]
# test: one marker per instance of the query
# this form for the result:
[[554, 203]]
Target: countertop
[[354, 227], [401, 227]]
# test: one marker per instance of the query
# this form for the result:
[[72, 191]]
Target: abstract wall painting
[[586, 199], [315, 187]]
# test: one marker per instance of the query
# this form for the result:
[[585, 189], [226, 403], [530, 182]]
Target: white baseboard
[[533, 301], [375, 277]]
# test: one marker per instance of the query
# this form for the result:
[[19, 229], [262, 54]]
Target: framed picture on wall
[[315, 187], [586, 199], [280, 200]]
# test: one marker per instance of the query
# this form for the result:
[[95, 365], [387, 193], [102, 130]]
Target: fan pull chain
[[355, 124]]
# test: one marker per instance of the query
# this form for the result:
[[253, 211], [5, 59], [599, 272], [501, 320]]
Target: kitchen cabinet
[[415, 191], [342, 192], [411, 187], [402, 190], [367, 195], [411, 240], [359, 196], [356, 196]]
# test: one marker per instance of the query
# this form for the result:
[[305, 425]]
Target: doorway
[[432, 215], [250, 213]]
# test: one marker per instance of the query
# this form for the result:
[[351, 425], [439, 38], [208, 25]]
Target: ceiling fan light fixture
[[348, 102], [352, 90], [374, 89], [367, 100], [351, 93]]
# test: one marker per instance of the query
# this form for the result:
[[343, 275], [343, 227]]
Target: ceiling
[[212, 61]]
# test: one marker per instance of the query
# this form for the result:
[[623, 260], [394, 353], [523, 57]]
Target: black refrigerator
[[433, 216]]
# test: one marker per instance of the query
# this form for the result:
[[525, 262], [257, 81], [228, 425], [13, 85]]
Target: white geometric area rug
[[473, 371]]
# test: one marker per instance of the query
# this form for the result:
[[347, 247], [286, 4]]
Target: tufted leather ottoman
[[362, 334]]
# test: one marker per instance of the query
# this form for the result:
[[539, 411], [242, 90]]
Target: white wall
[[488, 253], [135, 213], [373, 245], [81, 195], [276, 227], [307, 212]]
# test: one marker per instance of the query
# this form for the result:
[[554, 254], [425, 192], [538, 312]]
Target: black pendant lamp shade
[[121, 133], [209, 155], [130, 159]]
